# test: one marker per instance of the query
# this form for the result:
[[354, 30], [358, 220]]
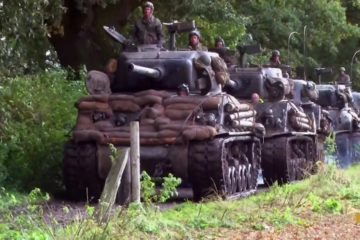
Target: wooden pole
[[111, 186], [135, 161]]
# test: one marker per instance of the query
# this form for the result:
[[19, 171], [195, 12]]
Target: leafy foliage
[[24, 47], [148, 189], [36, 114]]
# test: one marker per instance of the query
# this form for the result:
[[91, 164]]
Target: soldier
[[275, 58], [343, 78], [148, 30], [183, 90], [255, 99], [219, 43], [194, 41]]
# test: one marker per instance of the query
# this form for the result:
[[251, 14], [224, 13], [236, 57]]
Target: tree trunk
[[83, 40]]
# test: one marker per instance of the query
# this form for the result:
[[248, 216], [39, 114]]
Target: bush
[[36, 114]]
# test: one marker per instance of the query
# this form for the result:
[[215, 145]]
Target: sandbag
[[148, 100], [118, 135], [178, 114], [153, 92], [199, 133], [182, 106], [96, 98], [168, 133], [124, 106], [84, 121], [147, 121], [153, 112], [128, 97], [205, 102], [103, 125], [87, 136], [173, 126], [92, 105], [147, 134], [161, 120]]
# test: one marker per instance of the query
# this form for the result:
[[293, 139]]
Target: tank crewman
[[219, 43], [275, 58], [195, 41], [183, 90], [343, 78], [148, 30], [255, 99]]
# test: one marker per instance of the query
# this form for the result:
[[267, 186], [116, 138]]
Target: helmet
[[342, 69], [275, 53], [219, 39], [194, 32], [148, 4], [183, 88], [205, 59]]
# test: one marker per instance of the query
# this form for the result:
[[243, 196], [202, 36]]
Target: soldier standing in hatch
[[343, 78], [219, 43], [148, 30], [194, 41], [275, 58]]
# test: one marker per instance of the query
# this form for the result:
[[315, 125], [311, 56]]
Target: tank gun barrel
[[150, 72]]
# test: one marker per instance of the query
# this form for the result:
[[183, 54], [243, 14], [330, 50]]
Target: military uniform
[[148, 32], [198, 47], [344, 78]]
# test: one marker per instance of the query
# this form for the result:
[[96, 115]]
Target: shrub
[[36, 114]]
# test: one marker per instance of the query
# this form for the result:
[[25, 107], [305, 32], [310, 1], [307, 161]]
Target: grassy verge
[[331, 192]]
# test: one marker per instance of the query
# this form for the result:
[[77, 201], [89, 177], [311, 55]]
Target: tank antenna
[[305, 52], [352, 63], [288, 49]]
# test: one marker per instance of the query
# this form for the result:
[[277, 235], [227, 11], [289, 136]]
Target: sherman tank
[[305, 94], [342, 107], [290, 142], [188, 126]]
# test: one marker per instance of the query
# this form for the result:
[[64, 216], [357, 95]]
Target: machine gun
[[247, 49], [322, 71], [178, 27], [127, 44]]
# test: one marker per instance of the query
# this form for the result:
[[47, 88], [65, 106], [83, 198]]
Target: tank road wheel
[[224, 167], [296, 158], [80, 171]]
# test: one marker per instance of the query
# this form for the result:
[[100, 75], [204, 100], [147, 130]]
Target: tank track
[[80, 172], [224, 166], [295, 159]]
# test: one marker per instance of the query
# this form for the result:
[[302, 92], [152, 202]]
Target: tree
[[271, 22]]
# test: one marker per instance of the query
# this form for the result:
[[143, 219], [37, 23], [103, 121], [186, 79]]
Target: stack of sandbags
[[163, 119]]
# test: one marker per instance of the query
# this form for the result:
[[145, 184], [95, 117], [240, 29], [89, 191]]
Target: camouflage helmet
[[275, 53], [342, 69], [194, 32], [148, 4]]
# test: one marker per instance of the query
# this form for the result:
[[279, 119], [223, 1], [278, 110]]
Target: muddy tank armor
[[290, 142], [208, 138]]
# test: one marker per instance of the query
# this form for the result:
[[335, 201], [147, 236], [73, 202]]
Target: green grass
[[330, 192]]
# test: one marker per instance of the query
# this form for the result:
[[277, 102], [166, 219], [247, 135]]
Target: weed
[[148, 189], [333, 206]]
